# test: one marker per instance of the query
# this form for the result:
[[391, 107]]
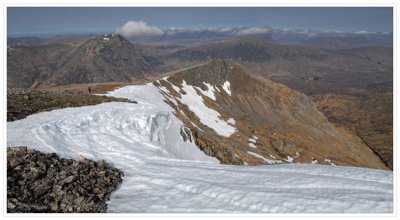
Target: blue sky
[[22, 21]]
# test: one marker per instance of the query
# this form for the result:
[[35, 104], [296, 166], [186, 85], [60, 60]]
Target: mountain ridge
[[271, 123], [304, 68]]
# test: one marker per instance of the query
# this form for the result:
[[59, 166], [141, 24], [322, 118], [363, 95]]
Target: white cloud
[[287, 30], [253, 31], [174, 30], [363, 32], [138, 28], [333, 31], [312, 34], [226, 29]]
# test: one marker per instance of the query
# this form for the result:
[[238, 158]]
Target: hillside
[[370, 118], [240, 119], [28, 66], [99, 59], [347, 41], [247, 50]]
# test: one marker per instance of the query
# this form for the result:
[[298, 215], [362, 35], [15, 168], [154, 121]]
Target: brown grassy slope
[[21, 103], [371, 119], [96, 88], [285, 121]]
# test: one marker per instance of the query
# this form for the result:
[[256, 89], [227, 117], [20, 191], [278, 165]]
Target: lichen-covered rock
[[39, 182]]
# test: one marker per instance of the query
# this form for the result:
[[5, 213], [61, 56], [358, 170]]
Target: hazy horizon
[[51, 21]]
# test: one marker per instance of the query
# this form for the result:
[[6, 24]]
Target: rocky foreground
[[24, 102], [39, 182]]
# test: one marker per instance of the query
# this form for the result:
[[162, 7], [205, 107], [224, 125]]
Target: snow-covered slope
[[163, 173]]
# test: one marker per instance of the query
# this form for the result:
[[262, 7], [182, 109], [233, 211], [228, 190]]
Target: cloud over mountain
[[138, 28], [253, 31]]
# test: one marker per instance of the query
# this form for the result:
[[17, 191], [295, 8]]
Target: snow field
[[207, 116], [165, 174]]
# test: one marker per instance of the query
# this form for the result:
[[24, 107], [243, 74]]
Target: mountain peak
[[105, 58], [214, 72], [114, 40]]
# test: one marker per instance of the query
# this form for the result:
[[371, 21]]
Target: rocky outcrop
[[39, 182], [24, 102]]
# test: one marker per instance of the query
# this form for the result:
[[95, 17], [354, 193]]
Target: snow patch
[[227, 87], [263, 158], [231, 121], [210, 92], [252, 145], [207, 116], [165, 91], [164, 88], [329, 161], [314, 161], [289, 159], [252, 142], [176, 88]]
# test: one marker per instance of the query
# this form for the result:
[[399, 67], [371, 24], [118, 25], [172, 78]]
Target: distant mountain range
[[304, 68], [319, 39], [112, 58], [334, 39]]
